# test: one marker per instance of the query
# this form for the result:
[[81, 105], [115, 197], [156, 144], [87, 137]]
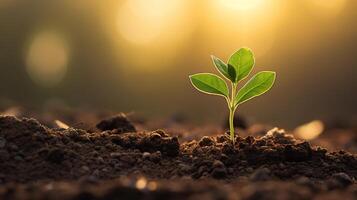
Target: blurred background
[[136, 55]]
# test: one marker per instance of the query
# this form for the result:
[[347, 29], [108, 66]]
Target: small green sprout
[[239, 66]]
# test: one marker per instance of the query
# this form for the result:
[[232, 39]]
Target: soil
[[118, 158]]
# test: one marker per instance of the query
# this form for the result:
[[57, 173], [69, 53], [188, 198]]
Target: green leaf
[[232, 73], [257, 85], [243, 62], [209, 84], [223, 68]]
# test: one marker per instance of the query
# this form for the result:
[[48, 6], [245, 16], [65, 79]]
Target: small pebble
[[146, 155]]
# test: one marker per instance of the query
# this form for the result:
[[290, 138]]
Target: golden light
[[47, 58], [241, 5], [243, 23], [152, 30], [310, 130], [328, 7], [142, 21]]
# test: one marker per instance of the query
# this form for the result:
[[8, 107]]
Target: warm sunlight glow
[[47, 59], [327, 6], [152, 32], [142, 21], [241, 5], [243, 23], [310, 130]]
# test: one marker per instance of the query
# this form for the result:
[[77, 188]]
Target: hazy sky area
[[136, 55]]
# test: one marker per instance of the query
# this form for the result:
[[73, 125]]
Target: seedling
[[239, 66]]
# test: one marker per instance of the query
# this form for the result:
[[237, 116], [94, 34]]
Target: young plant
[[239, 66]]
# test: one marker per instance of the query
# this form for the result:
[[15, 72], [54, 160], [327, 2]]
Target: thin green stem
[[231, 125], [231, 112]]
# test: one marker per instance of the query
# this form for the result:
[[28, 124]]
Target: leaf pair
[[239, 66]]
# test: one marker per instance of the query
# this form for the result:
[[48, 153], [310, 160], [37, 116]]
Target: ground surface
[[118, 159]]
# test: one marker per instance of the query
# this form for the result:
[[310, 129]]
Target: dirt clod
[[219, 170], [119, 122], [299, 152], [206, 141]]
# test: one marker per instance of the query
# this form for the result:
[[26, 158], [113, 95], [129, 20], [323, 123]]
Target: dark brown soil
[[118, 162]]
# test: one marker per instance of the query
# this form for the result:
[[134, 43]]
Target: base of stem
[[232, 137]]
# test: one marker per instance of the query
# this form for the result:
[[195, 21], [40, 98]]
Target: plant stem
[[231, 125], [231, 113]]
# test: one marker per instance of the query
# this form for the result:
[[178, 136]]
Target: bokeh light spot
[[310, 130], [141, 183], [152, 186], [47, 58]]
